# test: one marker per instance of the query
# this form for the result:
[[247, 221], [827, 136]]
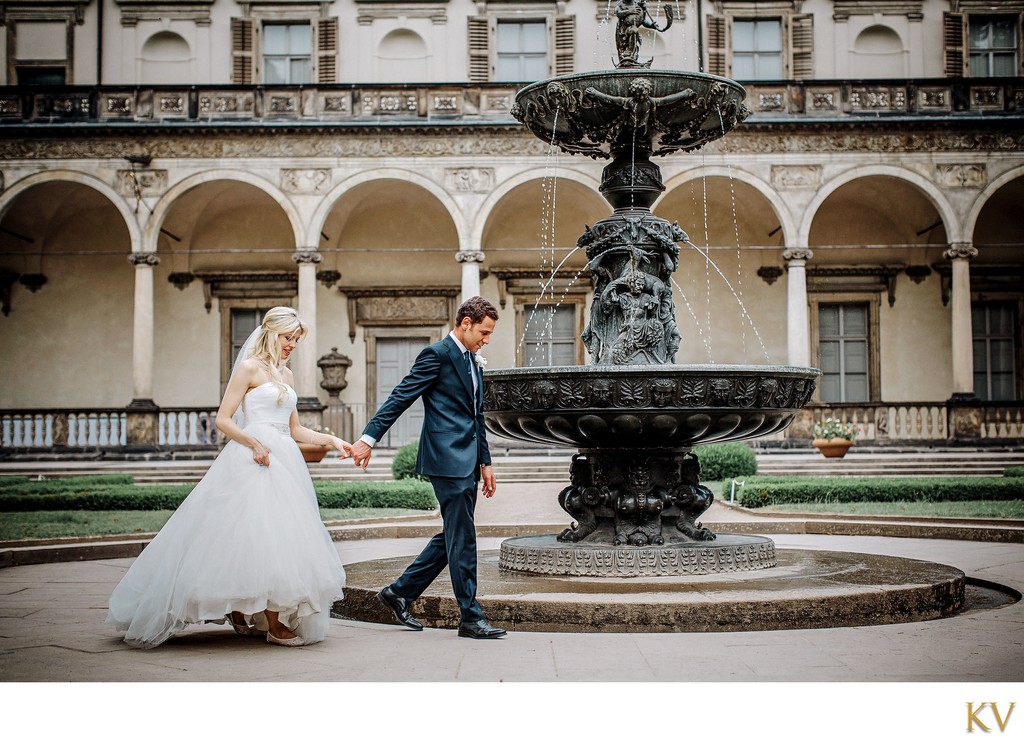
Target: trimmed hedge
[[78, 481], [721, 461], [404, 463], [1014, 471], [762, 492], [408, 494]]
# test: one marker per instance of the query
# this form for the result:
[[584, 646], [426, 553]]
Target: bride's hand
[[261, 455], [343, 447]]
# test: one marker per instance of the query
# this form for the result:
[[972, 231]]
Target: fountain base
[[546, 555], [805, 590]]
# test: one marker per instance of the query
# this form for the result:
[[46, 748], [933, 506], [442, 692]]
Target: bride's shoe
[[243, 630], [290, 642]]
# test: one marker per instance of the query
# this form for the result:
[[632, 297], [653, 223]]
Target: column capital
[[467, 256], [964, 251], [801, 255], [143, 259], [307, 256]]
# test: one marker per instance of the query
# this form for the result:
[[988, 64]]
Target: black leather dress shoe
[[480, 630], [399, 606]]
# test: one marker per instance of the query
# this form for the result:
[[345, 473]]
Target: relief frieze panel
[[483, 142], [306, 181]]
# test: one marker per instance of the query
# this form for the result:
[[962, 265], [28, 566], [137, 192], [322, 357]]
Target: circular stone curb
[[805, 590], [546, 555]]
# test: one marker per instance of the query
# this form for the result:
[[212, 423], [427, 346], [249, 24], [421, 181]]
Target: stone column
[[304, 364], [963, 341], [963, 411], [470, 261], [142, 415], [797, 325]]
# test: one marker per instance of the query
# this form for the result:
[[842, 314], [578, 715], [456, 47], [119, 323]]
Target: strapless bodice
[[261, 404]]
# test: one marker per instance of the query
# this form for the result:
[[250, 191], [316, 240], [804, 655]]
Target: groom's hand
[[487, 476], [361, 452]]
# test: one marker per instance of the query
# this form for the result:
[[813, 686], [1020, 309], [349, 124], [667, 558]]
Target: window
[[549, 335], [843, 349], [983, 44], [994, 350], [40, 54], [521, 50], [750, 45], [296, 51], [992, 44], [243, 322], [757, 49], [287, 53]]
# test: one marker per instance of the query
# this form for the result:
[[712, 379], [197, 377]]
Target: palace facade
[[169, 169]]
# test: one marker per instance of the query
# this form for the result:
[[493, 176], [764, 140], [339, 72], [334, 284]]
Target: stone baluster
[[798, 337], [470, 261], [304, 364]]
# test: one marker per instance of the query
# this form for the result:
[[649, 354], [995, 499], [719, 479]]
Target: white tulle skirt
[[248, 538]]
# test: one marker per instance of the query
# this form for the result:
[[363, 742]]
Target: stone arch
[[165, 57], [971, 220], [336, 194], [929, 190], [10, 195], [397, 51], [764, 189], [176, 191], [495, 198]]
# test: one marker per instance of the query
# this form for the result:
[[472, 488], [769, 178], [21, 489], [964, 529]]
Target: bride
[[247, 546]]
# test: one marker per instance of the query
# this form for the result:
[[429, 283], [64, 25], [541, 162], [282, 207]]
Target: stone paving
[[53, 640]]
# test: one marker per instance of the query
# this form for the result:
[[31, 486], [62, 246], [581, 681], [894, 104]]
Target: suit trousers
[[454, 547]]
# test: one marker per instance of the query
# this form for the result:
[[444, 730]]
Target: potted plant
[[315, 452], [832, 438]]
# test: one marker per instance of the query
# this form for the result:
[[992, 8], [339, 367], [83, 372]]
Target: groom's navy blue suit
[[452, 447]]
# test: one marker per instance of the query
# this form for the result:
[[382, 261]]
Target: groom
[[453, 453]]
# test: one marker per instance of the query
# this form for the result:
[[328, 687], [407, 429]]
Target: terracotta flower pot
[[832, 447], [312, 452]]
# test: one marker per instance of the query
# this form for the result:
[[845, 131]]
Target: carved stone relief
[[796, 176], [961, 175], [306, 181], [469, 179], [147, 182]]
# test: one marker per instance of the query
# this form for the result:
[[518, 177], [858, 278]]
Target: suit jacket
[[453, 441]]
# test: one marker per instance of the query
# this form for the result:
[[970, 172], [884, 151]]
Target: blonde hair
[[267, 348]]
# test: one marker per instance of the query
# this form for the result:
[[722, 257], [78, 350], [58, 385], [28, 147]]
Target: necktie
[[468, 356]]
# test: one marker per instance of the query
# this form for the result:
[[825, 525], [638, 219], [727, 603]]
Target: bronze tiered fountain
[[634, 415]]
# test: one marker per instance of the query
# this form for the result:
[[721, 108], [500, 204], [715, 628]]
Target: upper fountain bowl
[[600, 113], [644, 407]]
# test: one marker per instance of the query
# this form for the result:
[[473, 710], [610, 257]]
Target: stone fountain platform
[[804, 590]]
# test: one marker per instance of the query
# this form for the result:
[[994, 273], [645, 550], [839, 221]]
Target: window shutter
[[953, 35], [801, 46], [241, 50], [327, 51], [479, 48], [717, 52], [565, 44]]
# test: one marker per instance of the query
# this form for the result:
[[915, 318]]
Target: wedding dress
[[247, 538]]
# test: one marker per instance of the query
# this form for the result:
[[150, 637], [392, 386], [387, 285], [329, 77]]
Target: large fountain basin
[[561, 110], [647, 407]]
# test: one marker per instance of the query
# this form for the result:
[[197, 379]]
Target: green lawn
[[1007, 510], [76, 524]]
